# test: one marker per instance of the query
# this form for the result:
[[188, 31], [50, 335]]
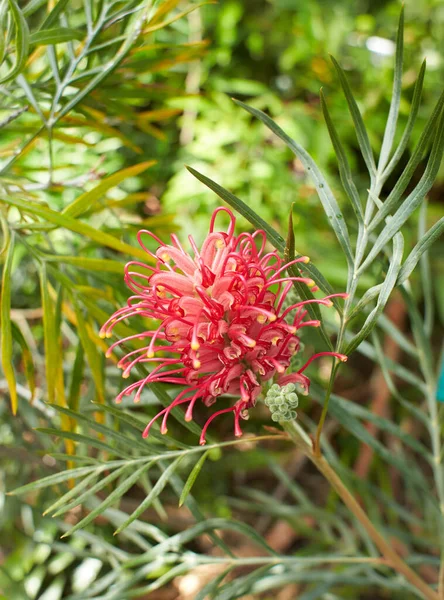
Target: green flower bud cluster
[[282, 402]]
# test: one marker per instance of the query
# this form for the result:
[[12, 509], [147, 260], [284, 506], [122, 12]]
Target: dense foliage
[[103, 103]]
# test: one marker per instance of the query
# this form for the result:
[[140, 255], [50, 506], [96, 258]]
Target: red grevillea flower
[[222, 321]]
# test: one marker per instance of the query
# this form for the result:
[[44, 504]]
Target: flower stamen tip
[[195, 345], [150, 354], [311, 283], [306, 259]]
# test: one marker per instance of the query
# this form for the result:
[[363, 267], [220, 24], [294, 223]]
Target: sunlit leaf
[[5, 330], [54, 36], [21, 41], [84, 202], [78, 227], [26, 355]]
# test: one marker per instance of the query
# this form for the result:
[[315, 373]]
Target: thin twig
[[392, 557]]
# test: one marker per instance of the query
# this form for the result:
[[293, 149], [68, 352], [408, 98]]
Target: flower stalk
[[392, 557]]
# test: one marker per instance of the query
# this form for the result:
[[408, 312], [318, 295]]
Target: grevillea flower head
[[222, 321]]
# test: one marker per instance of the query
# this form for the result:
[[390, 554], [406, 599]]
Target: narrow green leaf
[[413, 113], [385, 369], [289, 251], [76, 457], [384, 425], [5, 330], [107, 431], [32, 6], [84, 202], [344, 167], [209, 591], [177, 485], [28, 362], [395, 197], [405, 374], [93, 356], [422, 246], [54, 15], [72, 493], [369, 295], [344, 411], [113, 497], [102, 238], [422, 339], [192, 477], [361, 132], [157, 489], [390, 128], [76, 379], [49, 331], [58, 35], [328, 201], [426, 275], [386, 290], [3, 26], [104, 265], [184, 537], [272, 235], [23, 83], [413, 200], [402, 341], [99, 485], [21, 41], [139, 426], [83, 439], [57, 478], [132, 33]]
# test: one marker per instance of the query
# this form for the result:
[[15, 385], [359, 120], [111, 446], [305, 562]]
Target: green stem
[[391, 556], [317, 444]]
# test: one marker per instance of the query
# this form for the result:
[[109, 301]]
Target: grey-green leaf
[[192, 477], [422, 246], [157, 489], [111, 498], [344, 167], [390, 128], [413, 200], [324, 192], [361, 132], [386, 290], [46, 37]]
